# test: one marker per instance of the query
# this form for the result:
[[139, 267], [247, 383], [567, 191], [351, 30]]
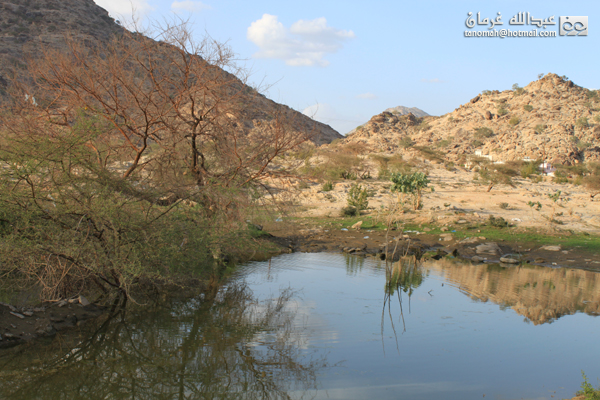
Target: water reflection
[[540, 294], [232, 346]]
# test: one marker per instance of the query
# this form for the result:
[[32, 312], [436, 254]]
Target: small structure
[[547, 168]]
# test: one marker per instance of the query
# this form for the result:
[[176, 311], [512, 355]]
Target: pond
[[327, 325]]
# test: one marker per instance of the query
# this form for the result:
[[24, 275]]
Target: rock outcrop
[[551, 119], [29, 26]]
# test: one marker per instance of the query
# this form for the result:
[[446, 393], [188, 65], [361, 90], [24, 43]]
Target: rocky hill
[[551, 119], [27, 26], [398, 111], [401, 110]]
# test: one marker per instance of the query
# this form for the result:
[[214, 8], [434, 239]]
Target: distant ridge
[[551, 119], [400, 110]]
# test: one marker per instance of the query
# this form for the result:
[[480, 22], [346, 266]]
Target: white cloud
[[434, 80], [368, 96], [124, 8], [189, 6], [305, 43]]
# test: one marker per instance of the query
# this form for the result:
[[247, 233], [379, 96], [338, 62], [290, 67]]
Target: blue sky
[[345, 61]]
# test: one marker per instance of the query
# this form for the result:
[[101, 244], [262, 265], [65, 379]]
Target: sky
[[341, 62]]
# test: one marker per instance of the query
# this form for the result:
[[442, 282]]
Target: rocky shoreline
[[22, 324]]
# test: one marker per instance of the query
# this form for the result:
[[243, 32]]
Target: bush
[[539, 128], [443, 143], [502, 111], [327, 186], [357, 198], [412, 184], [483, 132], [476, 143], [504, 206], [349, 211], [587, 390], [430, 154], [529, 168], [518, 89], [528, 107], [514, 121], [406, 142], [582, 122], [497, 222]]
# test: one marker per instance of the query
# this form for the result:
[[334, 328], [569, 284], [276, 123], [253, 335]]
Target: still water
[[326, 326]]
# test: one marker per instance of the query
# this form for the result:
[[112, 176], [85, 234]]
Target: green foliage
[[504, 206], [587, 390], [529, 168], [411, 184], [349, 211], [390, 164], [327, 186], [518, 89], [502, 111], [476, 143], [582, 122], [514, 121], [528, 107], [430, 154], [406, 142], [483, 133], [497, 222], [493, 174], [424, 126], [443, 143], [358, 198], [597, 118], [535, 205], [539, 128]]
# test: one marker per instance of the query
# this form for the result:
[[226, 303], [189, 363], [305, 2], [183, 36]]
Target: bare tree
[[119, 135]]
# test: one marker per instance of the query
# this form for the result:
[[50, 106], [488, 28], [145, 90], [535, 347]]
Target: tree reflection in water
[[404, 275], [230, 346]]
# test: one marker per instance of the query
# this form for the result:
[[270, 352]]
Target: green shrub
[[443, 143], [514, 121], [539, 128], [412, 184], [406, 142], [483, 132], [528, 107], [476, 143], [587, 390], [327, 186], [498, 222], [529, 168], [349, 211], [597, 118], [502, 111], [357, 198], [582, 122], [504, 206], [518, 89]]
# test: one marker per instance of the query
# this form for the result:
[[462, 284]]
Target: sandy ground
[[455, 192]]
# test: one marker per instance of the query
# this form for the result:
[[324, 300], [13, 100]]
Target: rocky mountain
[[398, 111], [28, 26], [551, 119], [401, 110]]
